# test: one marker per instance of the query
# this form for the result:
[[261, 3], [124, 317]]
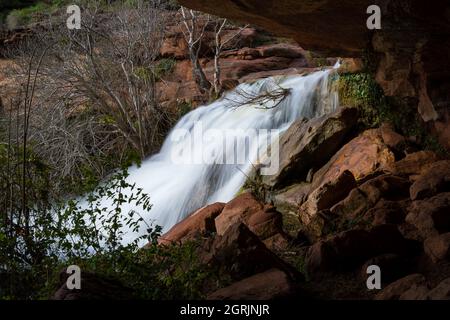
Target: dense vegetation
[[82, 109]]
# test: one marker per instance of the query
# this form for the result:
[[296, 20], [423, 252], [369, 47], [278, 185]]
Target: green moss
[[362, 91]]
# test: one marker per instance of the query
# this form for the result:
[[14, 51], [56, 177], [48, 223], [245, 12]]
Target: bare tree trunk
[[199, 76]]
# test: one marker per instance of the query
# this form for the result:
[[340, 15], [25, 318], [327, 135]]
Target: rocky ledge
[[409, 54]]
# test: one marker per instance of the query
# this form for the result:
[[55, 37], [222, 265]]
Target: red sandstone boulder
[[435, 179], [362, 156], [349, 249], [261, 219], [365, 197], [311, 144], [431, 216], [412, 164], [199, 223], [322, 199], [271, 284], [240, 253]]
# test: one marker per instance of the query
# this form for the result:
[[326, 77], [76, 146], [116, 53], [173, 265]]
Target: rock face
[[412, 46], [306, 144], [361, 207], [245, 61], [361, 156]]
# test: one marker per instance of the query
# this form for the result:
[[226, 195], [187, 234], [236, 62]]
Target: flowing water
[[177, 189]]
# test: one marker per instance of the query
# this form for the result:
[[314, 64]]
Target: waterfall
[[178, 188]]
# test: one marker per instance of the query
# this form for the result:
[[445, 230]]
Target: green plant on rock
[[360, 90]]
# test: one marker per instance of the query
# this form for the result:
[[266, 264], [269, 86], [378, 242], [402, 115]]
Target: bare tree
[[220, 43], [195, 26], [111, 63], [95, 93]]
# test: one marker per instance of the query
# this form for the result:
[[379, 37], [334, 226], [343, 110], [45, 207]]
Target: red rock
[[431, 216], [349, 249], [362, 156], [261, 219], [325, 196], [200, 222], [387, 212], [413, 163], [365, 197], [321, 199], [435, 179], [320, 257], [278, 242], [438, 247], [390, 137], [311, 144], [351, 65], [240, 253], [271, 284]]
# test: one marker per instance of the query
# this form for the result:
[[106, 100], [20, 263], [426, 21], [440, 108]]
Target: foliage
[[362, 91], [92, 235]]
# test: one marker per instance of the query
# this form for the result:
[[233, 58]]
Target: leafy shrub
[[91, 235], [362, 91]]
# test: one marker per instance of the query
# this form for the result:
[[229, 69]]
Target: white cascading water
[[176, 190]]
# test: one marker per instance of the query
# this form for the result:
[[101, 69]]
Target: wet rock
[[271, 284], [311, 144], [200, 222], [435, 179]]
